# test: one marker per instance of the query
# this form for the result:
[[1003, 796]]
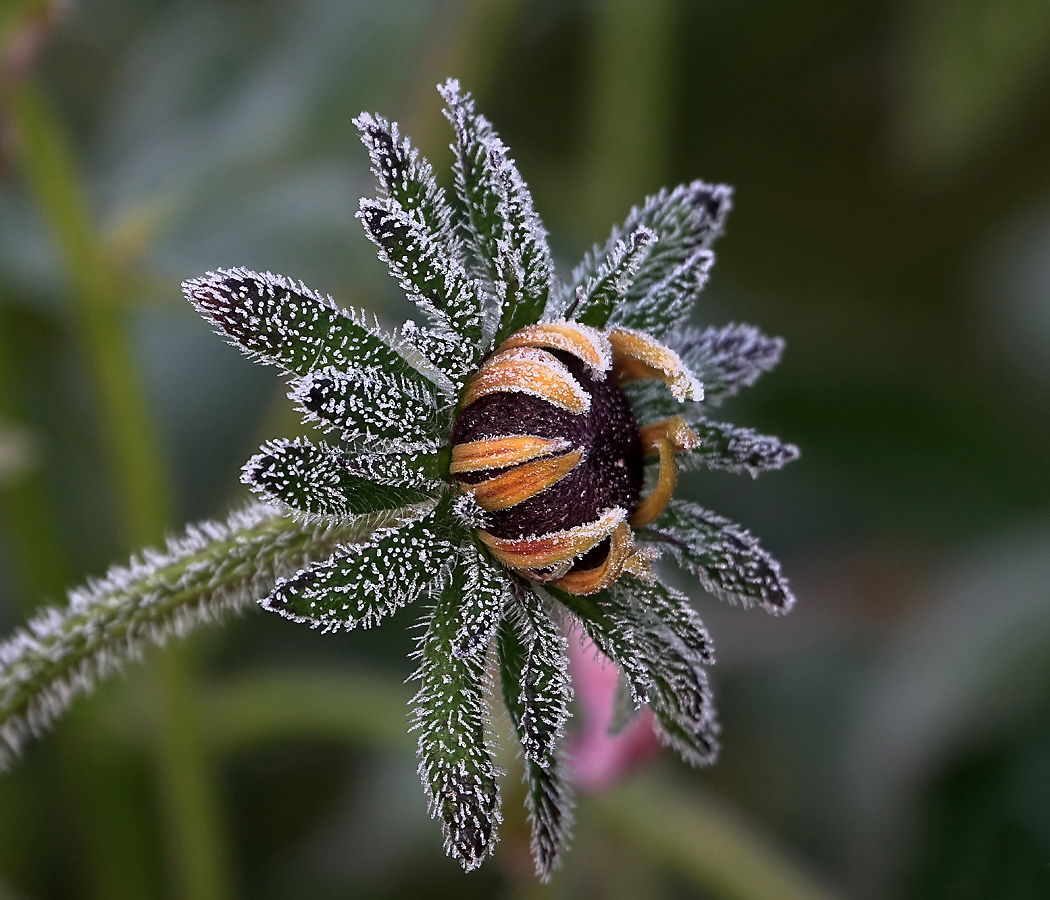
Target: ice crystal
[[532, 521]]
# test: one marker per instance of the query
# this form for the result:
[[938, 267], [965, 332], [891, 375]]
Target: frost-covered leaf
[[679, 695], [537, 693], [281, 322], [434, 280], [535, 676], [409, 470], [674, 610], [596, 300], [549, 802], [214, 569], [505, 233], [485, 593], [662, 670], [362, 583], [686, 222], [727, 559], [669, 301], [407, 178], [451, 715], [373, 409], [609, 635], [319, 482], [734, 449], [726, 359], [476, 184]]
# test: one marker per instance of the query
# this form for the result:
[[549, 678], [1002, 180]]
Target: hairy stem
[[211, 570]]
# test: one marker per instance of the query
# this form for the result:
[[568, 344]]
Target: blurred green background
[[890, 738]]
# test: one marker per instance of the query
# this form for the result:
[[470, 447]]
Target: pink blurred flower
[[598, 758]]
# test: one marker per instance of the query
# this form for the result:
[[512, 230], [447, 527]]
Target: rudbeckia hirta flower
[[518, 453]]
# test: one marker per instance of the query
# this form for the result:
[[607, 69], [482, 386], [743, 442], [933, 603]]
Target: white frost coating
[[512, 239], [544, 683], [609, 286], [679, 694], [727, 559], [726, 359], [485, 593], [686, 220], [452, 718], [277, 321], [408, 179], [733, 449], [316, 483], [373, 410], [538, 691], [215, 568], [435, 281], [469, 513], [362, 583]]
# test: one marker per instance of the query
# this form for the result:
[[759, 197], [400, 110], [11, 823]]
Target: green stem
[[213, 569]]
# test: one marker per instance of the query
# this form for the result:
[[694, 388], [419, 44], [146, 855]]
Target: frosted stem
[[214, 568]]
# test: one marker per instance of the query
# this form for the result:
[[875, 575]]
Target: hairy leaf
[[319, 482], [485, 592], [549, 802], [535, 676], [435, 281], [734, 449], [596, 300], [674, 610], [537, 693], [505, 233], [726, 359], [727, 559], [374, 410], [686, 222], [450, 713], [663, 671], [280, 322], [362, 583], [407, 179]]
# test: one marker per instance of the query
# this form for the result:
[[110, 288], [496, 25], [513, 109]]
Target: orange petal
[[581, 341], [522, 482], [540, 551], [590, 581], [650, 509], [637, 357], [500, 452], [673, 430], [528, 370]]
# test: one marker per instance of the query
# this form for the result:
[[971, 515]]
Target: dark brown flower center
[[609, 475]]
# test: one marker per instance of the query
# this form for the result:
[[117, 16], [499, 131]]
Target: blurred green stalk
[[199, 862], [703, 840], [628, 135]]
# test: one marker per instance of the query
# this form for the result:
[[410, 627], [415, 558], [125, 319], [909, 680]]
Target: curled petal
[[637, 357], [528, 370]]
